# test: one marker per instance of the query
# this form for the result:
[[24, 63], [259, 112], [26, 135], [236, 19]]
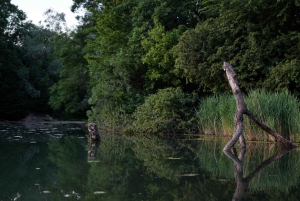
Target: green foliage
[[111, 69], [70, 93], [27, 64], [123, 51], [13, 103], [253, 45], [55, 21], [196, 61], [129, 54], [216, 114], [280, 111], [110, 116], [168, 111], [12, 22], [285, 75], [158, 55]]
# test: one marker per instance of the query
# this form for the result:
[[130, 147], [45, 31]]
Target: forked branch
[[241, 110]]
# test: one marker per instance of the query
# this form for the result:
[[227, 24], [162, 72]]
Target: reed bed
[[279, 110]]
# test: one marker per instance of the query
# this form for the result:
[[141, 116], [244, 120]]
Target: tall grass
[[279, 110]]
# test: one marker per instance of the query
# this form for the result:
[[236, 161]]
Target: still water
[[54, 162]]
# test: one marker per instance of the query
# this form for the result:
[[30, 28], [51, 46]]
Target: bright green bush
[[170, 110], [279, 111]]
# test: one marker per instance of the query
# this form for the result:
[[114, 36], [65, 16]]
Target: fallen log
[[241, 110]]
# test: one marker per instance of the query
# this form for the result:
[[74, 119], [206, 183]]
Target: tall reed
[[279, 110]]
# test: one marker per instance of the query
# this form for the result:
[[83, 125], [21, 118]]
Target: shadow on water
[[134, 168]]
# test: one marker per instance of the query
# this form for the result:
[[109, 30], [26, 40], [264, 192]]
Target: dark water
[[51, 162]]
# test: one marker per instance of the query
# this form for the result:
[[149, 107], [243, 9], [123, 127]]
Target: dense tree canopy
[[124, 51], [12, 29]]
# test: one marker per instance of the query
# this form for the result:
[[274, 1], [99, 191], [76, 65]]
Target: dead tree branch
[[241, 110]]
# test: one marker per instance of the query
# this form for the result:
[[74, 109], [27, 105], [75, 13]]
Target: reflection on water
[[241, 181], [134, 168]]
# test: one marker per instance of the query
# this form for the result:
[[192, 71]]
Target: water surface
[[54, 162]]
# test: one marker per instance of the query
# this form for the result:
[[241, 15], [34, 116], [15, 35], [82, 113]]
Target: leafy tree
[[13, 103], [28, 66], [253, 36], [111, 66], [159, 24], [129, 56], [40, 66], [158, 55], [70, 94], [55, 21]]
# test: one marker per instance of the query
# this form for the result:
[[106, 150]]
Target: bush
[[110, 117], [168, 111]]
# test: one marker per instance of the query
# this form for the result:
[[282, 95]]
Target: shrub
[[110, 117], [168, 111]]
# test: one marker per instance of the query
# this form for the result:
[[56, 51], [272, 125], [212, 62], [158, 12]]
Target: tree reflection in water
[[241, 181], [143, 167], [153, 168]]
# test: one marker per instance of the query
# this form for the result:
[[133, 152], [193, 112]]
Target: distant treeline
[[128, 54]]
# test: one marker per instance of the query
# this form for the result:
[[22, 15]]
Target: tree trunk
[[241, 110], [93, 132]]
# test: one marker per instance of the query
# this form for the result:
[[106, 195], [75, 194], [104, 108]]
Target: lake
[[55, 161]]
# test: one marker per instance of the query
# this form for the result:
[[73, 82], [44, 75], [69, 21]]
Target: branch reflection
[[241, 181], [93, 150]]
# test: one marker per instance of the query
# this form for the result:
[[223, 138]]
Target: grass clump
[[216, 114], [279, 111]]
